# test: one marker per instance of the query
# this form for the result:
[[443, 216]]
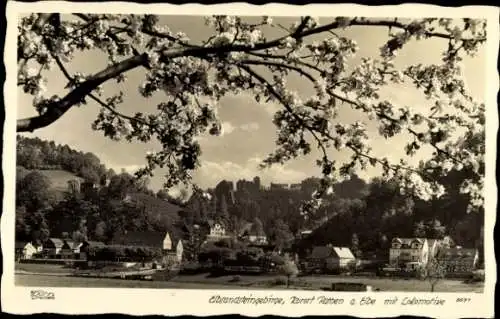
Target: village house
[[458, 262], [26, 250], [52, 248], [252, 234], [68, 249], [331, 258], [173, 248], [217, 231], [170, 245], [405, 251]]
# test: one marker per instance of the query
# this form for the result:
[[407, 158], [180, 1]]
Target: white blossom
[[289, 42], [31, 72], [267, 20], [210, 21], [447, 165]]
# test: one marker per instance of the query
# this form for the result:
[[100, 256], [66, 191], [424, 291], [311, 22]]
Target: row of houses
[[168, 242], [407, 254], [55, 248], [420, 251], [248, 233]]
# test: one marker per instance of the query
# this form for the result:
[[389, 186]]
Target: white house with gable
[[217, 231], [408, 250]]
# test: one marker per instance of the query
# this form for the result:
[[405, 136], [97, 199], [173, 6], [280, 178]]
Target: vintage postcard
[[279, 159]]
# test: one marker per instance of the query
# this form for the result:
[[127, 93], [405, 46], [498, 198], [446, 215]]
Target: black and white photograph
[[328, 154]]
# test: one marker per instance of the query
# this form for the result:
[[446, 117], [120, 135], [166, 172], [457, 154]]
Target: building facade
[[217, 231], [26, 250], [170, 245], [458, 262], [52, 247], [331, 258], [408, 250]]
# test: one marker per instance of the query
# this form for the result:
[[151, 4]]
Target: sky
[[248, 132]]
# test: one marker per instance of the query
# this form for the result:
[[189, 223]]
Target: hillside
[[59, 179], [117, 203], [158, 209]]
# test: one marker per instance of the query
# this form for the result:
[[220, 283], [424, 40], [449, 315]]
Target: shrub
[[280, 281], [289, 269], [235, 279], [478, 275]]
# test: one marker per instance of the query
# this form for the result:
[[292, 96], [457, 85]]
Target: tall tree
[[34, 192], [420, 229], [239, 55], [223, 211], [436, 229], [280, 234], [355, 246], [257, 226], [100, 231]]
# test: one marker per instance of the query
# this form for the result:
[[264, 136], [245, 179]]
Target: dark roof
[[406, 242], [56, 242], [93, 243], [456, 253], [69, 243], [137, 238], [322, 252], [176, 235], [245, 229], [251, 230], [212, 222]]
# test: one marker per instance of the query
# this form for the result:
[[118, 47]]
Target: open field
[[43, 268], [245, 282], [58, 276]]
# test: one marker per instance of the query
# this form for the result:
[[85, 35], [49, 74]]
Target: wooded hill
[[359, 214]]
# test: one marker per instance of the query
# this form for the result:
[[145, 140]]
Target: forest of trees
[[98, 213], [358, 214]]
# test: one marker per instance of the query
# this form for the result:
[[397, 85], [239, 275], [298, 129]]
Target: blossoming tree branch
[[239, 57]]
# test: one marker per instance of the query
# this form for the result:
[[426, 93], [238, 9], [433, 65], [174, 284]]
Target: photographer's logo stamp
[[42, 294]]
